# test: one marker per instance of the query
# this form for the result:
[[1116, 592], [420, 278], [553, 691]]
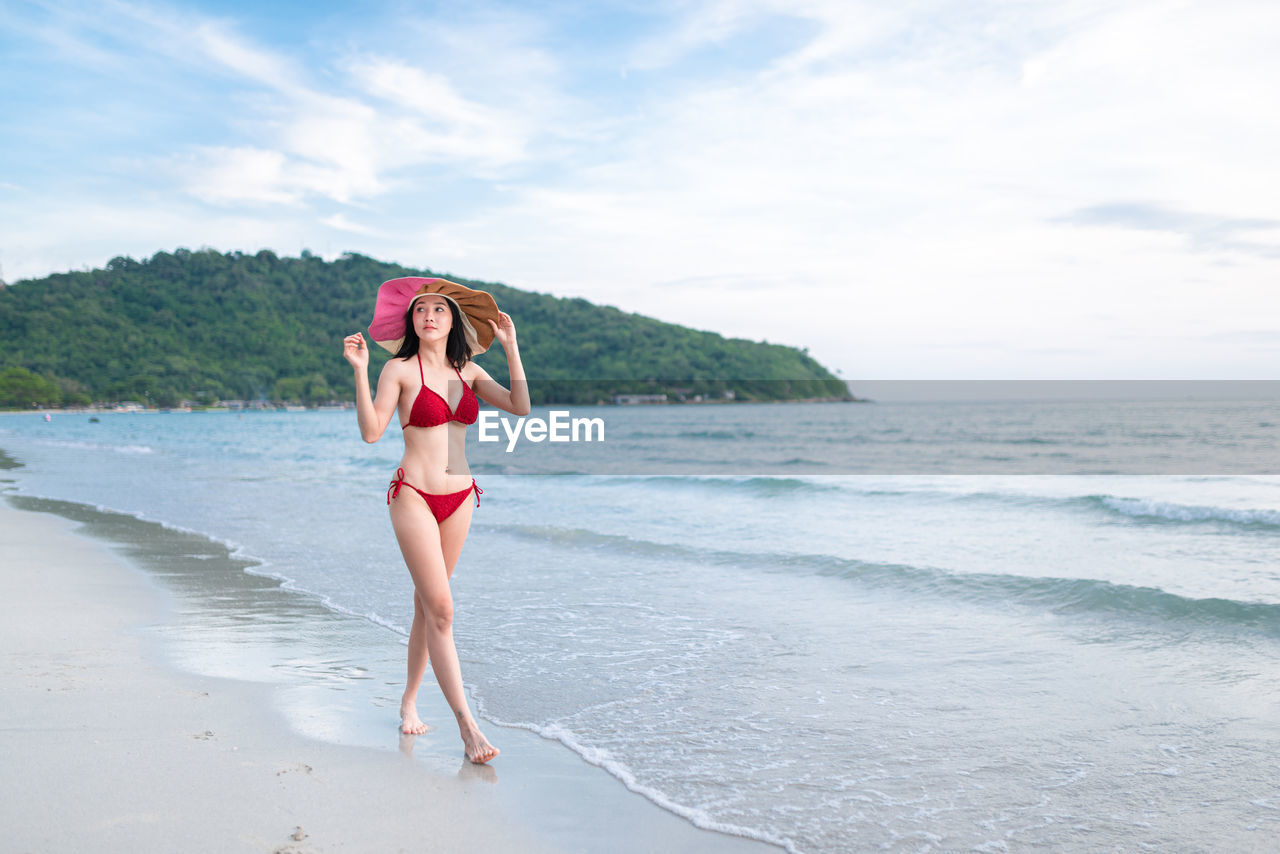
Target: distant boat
[[93, 420]]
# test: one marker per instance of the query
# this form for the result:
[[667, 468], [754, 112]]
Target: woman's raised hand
[[504, 330], [355, 352]]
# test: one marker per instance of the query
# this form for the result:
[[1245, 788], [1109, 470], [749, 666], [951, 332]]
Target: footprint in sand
[[301, 768]]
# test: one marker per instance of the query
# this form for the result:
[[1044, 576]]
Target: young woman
[[434, 327]]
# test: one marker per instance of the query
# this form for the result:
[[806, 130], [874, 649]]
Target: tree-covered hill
[[206, 326]]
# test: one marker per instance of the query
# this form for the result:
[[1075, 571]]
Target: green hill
[[207, 326]]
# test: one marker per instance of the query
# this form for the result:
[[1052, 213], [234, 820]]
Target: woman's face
[[432, 318]]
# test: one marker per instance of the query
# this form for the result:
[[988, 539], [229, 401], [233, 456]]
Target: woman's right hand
[[355, 351]]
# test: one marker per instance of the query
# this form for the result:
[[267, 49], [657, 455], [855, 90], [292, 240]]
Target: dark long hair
[[456, 349]]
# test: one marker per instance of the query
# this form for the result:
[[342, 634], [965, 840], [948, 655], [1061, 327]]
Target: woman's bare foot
[[410, 723], [477, 747]]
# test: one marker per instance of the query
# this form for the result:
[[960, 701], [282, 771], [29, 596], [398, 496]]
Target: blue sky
[[922, 190]]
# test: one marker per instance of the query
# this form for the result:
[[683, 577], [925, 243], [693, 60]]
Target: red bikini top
[[430, 409]]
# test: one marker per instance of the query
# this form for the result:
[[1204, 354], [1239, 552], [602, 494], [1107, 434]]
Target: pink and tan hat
[[395, 297]]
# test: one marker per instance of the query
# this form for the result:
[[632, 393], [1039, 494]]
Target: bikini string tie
[[393, 491]]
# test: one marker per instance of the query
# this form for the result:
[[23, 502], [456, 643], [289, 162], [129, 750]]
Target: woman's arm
[[373, 417], [515, 400]]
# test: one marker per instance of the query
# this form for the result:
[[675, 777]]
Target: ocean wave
[[96, 446], [715, 434], [1067, 596], [1142, 510], [802, 461], [1173, 513], [759, 485]]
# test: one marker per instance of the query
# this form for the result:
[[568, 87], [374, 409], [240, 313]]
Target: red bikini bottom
[[441, 506]]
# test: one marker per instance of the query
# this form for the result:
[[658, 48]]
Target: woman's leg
[[424, 545], [410, 723], [452, 541]]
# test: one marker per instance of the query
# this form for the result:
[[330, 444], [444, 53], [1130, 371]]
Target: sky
[[910, 190]]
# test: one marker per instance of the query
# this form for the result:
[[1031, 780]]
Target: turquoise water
[[766, 643]]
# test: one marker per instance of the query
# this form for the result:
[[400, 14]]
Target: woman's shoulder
[[471, 372], [396, 368]]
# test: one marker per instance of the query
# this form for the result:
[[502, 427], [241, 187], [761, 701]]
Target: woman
[[434, 327]]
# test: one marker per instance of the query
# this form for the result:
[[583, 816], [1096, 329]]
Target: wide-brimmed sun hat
[[476, 308]]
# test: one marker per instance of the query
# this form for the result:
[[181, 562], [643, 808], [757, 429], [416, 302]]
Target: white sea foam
[[1141, 507], [620, 770], [372, 616], [97, 446]]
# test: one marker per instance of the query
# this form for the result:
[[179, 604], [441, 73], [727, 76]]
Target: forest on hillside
[[205, 326]]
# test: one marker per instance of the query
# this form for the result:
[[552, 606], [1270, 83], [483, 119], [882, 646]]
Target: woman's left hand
[[504, 330]]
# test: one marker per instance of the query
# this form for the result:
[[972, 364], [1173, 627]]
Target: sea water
[[755, 637]]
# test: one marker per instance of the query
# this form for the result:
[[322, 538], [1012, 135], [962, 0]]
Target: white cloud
[[431, 95], [341, 223], [243, 174], [234, 54], [704, 24]]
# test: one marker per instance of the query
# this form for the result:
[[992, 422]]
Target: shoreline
[[120, 738], [112, 409]]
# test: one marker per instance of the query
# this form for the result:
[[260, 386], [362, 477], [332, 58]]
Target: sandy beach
[[108, 746]]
